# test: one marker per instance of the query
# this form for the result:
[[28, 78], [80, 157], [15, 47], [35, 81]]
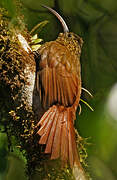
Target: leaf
[[35, 47], [87, 105], [36, 41], [39, 26]]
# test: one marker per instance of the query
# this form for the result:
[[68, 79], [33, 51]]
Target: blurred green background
[[96, 22]]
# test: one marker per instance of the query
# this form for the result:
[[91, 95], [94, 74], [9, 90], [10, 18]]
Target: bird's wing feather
[[56, 84]]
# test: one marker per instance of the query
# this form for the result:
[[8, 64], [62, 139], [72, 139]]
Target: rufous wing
[[57, 86]]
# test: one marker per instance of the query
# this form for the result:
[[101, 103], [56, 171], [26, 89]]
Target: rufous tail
[[57, 132]]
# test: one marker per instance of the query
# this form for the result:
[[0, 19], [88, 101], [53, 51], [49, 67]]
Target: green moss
[[16, 117]]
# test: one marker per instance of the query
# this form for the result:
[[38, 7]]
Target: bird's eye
[[69, 35], [79, 41]]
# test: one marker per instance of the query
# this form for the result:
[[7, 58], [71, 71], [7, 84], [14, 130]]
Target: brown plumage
[[59, 87]]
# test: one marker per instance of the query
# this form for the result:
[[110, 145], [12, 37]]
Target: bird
[[58, 84]]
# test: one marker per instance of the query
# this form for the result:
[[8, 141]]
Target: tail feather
[[44, 117], [51, 135], [46, 120], [64, 138], [46, 129], [74, 146], [57, 138], [57, 132], [70, 142]]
